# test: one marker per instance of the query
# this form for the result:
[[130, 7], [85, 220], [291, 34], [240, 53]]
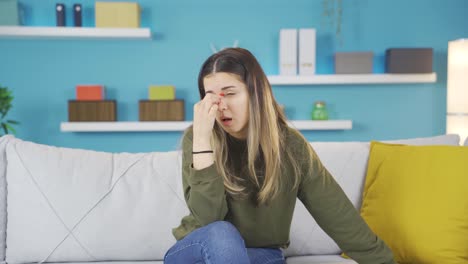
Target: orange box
[[89, 92]]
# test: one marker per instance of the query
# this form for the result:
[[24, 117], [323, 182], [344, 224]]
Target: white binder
[[307, 50], [288, 52]]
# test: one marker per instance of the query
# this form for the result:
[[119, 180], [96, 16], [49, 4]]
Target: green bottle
[[320, 111]]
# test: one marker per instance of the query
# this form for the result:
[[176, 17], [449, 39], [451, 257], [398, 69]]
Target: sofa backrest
[[81, 205]]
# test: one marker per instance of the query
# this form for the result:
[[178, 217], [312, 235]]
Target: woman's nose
[[222, 105]]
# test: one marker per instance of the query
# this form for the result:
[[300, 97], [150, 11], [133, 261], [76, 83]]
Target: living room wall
[[42, 73]]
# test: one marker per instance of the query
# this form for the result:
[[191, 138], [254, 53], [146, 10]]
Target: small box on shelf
[[9, 15], [117, 15], [161, 92], [161, 110], [408, 60], [90, 92], [92, 111], [353, 62]]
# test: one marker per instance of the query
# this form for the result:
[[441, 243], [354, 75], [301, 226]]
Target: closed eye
[[230, 94]]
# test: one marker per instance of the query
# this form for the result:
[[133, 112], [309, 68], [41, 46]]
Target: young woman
[[244, 167]]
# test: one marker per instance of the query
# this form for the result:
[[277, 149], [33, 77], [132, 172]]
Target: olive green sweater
[[269, 225]]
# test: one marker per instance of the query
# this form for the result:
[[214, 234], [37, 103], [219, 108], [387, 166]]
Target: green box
[[161, 92], [9, 13]]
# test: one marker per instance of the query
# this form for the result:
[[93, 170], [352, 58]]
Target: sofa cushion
[[347, 162], [319, 259], [466, 142], [114, 262], [80, 205], [3, 216], [415, 200]]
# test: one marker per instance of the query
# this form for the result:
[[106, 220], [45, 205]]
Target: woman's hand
[[204, 116]]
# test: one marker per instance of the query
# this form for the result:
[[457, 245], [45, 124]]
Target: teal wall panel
[[43, 72]]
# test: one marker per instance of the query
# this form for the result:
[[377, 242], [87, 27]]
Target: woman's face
[[233, 110]]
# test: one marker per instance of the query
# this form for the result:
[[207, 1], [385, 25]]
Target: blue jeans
[[219, 243]]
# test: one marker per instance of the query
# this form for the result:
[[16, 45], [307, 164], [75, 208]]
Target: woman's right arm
[[203, 188]]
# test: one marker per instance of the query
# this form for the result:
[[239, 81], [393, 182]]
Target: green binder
[[9, 13]]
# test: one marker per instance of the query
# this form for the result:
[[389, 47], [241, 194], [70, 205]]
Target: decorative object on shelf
[[77, 15], [288, 52], [297, 51], [353, 62], [9, 13], [161, 110], [320, 111], [162, 105], [457, 89], [90, 92], [60, 14], [6, 125], [161, 92], [117, 14], [333, 13], [408, 60], [92, 111], [307, 51], [90, 105]]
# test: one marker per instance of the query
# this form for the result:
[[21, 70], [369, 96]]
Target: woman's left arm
[[336, 215]]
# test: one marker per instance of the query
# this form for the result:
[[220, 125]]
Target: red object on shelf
[[89, 92]]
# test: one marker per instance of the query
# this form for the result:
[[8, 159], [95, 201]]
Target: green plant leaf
[[5, 129], [10, 128], [5, 105], [13, 122]]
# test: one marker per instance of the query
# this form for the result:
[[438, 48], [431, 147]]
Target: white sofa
[[73, 205]]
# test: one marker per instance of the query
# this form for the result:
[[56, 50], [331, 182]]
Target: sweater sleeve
[[203, 189], [336, 215]]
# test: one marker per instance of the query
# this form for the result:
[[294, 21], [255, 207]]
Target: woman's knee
[[223, 231], [218, 242]]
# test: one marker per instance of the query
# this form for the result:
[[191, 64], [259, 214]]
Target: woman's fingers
[[213, 110]]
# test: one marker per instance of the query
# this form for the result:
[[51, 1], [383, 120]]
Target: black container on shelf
[[77, 15], [60, 13], [408, 60]]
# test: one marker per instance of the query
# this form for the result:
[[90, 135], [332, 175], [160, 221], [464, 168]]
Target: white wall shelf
[[74, 32], [182, 125], [352, 79]]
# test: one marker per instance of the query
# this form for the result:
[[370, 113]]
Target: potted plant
[[333, 12], [6, 125]]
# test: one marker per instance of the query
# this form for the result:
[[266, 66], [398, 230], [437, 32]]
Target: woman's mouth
[[226, 121]]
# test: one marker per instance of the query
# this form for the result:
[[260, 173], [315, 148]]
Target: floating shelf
[[352, 79], [74, 32], [182, 125]]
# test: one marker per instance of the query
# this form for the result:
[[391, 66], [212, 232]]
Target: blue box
[[9, 13]]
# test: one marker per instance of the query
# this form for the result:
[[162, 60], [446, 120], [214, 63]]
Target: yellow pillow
[[416, 199]]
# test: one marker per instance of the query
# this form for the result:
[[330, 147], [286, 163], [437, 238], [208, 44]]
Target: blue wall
[[43, 73]]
